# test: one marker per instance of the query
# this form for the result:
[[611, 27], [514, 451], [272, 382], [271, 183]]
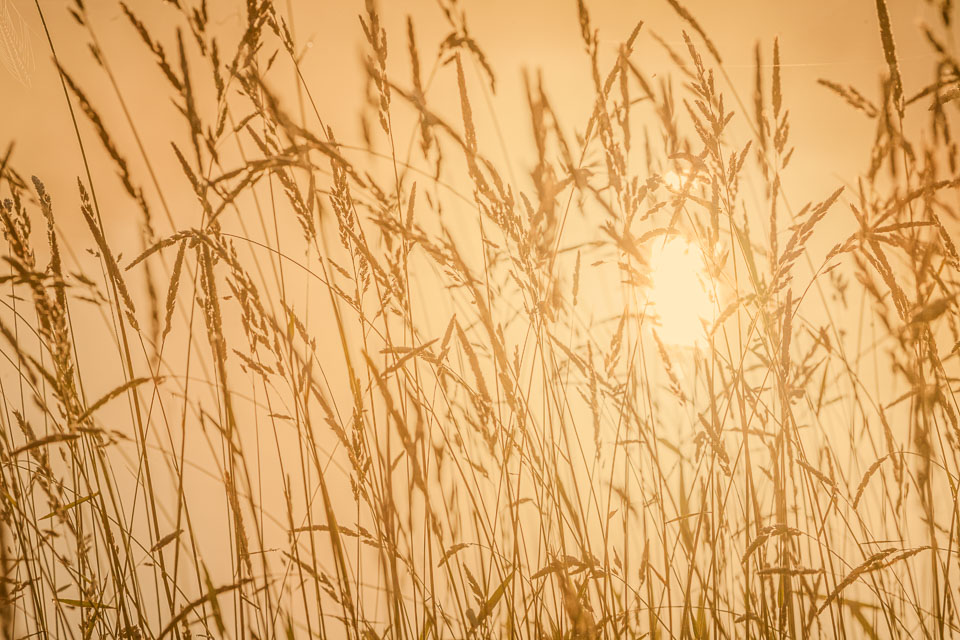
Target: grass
[[395, 389]]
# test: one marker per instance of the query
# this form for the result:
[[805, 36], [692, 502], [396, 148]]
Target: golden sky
[[835, 40]]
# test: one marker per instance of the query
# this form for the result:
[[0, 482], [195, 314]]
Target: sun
[[679, 297]]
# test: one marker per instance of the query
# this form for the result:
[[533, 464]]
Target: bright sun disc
[[679, 298]]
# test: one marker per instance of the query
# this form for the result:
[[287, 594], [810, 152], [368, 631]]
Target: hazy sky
[[821, 39]]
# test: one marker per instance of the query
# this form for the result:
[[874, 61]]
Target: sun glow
[[679, 297]]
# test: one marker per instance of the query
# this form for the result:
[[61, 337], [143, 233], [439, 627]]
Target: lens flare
[[679, 298]]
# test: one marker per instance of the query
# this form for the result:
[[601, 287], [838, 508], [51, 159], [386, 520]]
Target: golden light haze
[[479, 319], [680, 296]]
